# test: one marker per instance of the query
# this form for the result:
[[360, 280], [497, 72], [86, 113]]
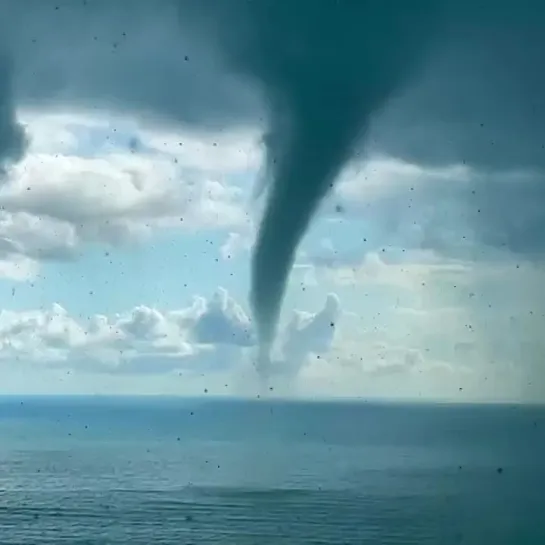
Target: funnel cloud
[[324, 68]]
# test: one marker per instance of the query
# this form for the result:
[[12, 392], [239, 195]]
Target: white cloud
[[141, 340], [99, 196], [235, 243], [334, 352], [24, 235], [308, 334], [64, 194], [221, 320], [17, 268], [217, 153], [407, 270], [475, 323], [51, 134]]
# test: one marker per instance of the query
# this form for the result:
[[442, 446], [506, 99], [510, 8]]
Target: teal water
[[142, 471]]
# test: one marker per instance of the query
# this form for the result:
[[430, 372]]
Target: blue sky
[[127, 225]]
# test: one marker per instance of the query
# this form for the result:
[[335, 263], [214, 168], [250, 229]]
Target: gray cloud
[[12, 135], [143, 59], [481, 102], [481, 97], [223, 321], [474, 215]]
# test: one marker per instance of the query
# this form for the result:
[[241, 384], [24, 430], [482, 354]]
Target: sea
[[96, 470]]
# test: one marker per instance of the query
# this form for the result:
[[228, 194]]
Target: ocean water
[[165, 471]]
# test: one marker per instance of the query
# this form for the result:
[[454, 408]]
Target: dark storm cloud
[[480, 101], [12, 135], [137, 57], [481, 97]]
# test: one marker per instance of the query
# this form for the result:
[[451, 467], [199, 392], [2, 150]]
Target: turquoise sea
[[168, 471]]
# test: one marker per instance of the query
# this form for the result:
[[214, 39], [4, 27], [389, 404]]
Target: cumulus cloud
[[311, 333], [108, 195], [52, 203], [143, 340], [438, 348], [340, 352], [476, 321], [397, 269], [384, 370], [211, 336], [221, 320], [236, 243], [17, 268]]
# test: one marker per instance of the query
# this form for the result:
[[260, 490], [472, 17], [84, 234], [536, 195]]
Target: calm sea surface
[[145, 471]]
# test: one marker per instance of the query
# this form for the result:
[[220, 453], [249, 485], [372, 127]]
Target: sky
[[132, 156]]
